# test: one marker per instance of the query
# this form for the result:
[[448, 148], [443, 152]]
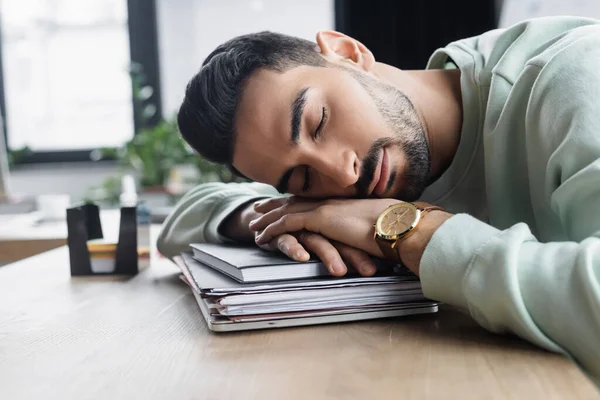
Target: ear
[[337, 47]]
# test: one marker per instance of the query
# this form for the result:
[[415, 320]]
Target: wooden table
[[144, 338], [22, 237]]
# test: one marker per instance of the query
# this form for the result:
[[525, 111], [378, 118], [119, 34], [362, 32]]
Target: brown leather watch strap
[[428, 209], [386, 248]]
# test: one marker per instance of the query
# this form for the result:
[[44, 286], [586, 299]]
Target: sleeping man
[[480, 173]]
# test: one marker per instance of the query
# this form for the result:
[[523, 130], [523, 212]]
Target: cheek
[[325, 187], [358, 122]]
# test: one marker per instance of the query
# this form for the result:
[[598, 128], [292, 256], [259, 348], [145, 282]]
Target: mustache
[[369, 165]]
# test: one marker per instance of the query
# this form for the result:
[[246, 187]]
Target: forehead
[[263, 121]]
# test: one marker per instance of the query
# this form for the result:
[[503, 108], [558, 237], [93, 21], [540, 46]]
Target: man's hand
[[346, 221], [337, 257]]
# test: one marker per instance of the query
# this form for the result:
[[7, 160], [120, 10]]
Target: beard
[[401, 118]]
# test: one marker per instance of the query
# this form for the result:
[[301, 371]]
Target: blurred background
[[89, 88]]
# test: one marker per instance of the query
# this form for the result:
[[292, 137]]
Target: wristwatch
[[397, 222]]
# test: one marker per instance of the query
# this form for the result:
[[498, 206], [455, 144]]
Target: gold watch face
[[397, 221]]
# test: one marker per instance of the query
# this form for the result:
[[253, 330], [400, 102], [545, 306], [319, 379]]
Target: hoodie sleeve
[[545, 292], [197, 216]]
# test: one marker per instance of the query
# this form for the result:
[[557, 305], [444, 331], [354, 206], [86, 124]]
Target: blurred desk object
[[21, 236], [143, 337], [25, 235]]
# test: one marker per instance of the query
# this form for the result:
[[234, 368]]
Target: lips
[[384, 175], [381, 175]]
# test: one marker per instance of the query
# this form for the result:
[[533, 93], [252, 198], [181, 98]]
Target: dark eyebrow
[[297, 110], [282, 186]]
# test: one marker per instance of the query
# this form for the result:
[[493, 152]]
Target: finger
[[270, 246], [325, 251], [356, 258], [290, 246], [288, 223], [269, 217], [267, 205], [265, 219]]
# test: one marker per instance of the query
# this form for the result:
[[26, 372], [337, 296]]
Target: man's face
[[330, 132]]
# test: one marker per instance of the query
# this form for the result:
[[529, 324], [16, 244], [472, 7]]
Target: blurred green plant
[[108, 192], [153, 152]]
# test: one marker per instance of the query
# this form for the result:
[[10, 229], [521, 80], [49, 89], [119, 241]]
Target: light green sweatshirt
[[522, 253]]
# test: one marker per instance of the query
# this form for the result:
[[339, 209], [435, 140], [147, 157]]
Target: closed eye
[[321, 123]]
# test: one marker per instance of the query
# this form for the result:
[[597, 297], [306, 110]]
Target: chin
[[409, 186], [410, 192]]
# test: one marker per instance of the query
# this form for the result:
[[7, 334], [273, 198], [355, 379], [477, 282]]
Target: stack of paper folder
[[229, 303]]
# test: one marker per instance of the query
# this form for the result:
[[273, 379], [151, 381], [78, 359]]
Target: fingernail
[[301, 254], [370, 269], [253, 222], [262, 239], [338, 266]]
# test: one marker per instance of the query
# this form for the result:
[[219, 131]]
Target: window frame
[[143, 50]]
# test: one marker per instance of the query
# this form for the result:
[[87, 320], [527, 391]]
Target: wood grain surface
[[144, 338]]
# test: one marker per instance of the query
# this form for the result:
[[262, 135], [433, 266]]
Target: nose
[[343, 169]]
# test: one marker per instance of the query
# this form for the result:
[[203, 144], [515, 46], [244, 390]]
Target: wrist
[[236, 226], [411, 248]]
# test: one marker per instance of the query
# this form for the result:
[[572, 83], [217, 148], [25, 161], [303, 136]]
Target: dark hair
[[206, 117]]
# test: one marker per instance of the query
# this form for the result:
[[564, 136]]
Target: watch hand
[[401, 215], [392, 225], [389, 227]]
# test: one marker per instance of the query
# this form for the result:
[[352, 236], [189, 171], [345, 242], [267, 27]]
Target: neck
[[436, 96]]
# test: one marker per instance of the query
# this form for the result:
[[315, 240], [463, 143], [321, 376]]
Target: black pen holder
[[84, 224]]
